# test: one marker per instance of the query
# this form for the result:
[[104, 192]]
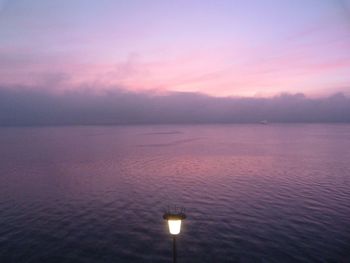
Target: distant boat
[[264, 122]]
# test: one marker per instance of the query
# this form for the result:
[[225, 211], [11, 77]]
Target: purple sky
[[221, 48]]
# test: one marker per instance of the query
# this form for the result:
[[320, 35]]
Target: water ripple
[[89, 195]]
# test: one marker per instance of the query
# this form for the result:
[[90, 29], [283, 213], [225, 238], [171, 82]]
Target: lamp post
[[174, 224]]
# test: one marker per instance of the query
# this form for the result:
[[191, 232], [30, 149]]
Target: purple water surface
[[252, 193]]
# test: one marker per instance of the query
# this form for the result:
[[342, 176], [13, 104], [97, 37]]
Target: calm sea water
[[252, 193]]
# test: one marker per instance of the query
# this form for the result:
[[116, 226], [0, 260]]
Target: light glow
[[174, 226]]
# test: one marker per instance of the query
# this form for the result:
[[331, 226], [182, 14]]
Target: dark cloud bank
[[34, 107]]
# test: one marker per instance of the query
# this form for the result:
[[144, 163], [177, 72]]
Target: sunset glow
[[225, 48]]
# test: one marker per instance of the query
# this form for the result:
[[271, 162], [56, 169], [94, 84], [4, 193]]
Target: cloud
[[20, 106]]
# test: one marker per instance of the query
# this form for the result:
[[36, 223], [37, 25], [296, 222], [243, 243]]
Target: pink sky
[[226, 48]]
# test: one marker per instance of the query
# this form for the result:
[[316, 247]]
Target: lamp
[[174, 223]]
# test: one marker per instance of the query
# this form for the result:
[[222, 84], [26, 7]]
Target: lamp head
[[174, 222]]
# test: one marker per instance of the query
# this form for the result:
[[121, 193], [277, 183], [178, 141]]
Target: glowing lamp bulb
[[174, 226], [174, 222]]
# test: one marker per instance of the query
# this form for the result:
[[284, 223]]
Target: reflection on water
[[253, 193]]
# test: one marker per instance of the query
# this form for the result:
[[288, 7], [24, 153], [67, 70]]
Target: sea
[[251, 193]]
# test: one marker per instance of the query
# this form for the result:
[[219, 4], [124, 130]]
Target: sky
[[226, 48]]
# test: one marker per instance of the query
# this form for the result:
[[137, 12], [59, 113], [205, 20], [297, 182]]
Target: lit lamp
[[174, 223]]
